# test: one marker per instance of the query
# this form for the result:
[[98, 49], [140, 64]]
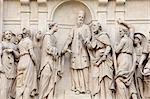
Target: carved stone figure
[[139, 43], [26, 87], [79, 55], [101, 63], [8, 54], [144, 66], [125, 87], [37, 43], [146, 72], [49, 70]]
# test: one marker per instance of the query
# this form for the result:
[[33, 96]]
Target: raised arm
[[68, 42]]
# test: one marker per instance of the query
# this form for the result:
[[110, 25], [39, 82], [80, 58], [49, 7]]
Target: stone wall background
[[36, 14]]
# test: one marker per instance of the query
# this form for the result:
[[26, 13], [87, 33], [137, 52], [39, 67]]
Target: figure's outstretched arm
[[68, 42]]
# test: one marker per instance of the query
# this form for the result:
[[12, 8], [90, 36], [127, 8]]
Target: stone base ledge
[[72, 95]]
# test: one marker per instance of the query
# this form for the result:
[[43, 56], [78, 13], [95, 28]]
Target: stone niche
[[65, 14]]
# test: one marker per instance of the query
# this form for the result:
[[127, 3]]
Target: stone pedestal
[[72, 95]]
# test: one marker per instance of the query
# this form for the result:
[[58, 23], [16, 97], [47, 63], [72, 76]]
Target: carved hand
[[64, 50], [140, 66], [96, 64], [103, 58], [86, 41], [68, 50], [9, 50]]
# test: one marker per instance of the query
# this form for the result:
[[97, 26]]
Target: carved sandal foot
[[77, 92], [73, 89], [88, 91]]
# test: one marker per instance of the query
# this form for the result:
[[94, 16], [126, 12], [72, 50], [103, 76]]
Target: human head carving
[[96, 27], [81, 17], [7, 35], [53, 26], [26, 33]]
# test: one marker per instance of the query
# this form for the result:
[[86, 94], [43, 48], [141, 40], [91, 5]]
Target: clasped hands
[[100, 60]]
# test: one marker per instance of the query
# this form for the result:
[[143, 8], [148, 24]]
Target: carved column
[[25, 14], [42, 15], [1, 19], [120, 9], [149, 18], [102, 12], [149, 10]]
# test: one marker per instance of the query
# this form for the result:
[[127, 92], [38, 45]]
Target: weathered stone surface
[[74, 49]]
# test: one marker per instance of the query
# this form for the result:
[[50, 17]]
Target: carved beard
[[80, 23]]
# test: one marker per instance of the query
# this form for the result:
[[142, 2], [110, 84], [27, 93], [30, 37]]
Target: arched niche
[[66, 12]]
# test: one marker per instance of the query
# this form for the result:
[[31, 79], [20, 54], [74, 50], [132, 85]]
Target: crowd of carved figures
[[31, 65]]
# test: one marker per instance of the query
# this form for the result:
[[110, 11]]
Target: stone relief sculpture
[[77, 40], [37, 44], [26, 87], [8, 53], [102, 70], [30, 68], [125, 87], [144, 68], [49, 70], [139, 46], [146, 73]]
